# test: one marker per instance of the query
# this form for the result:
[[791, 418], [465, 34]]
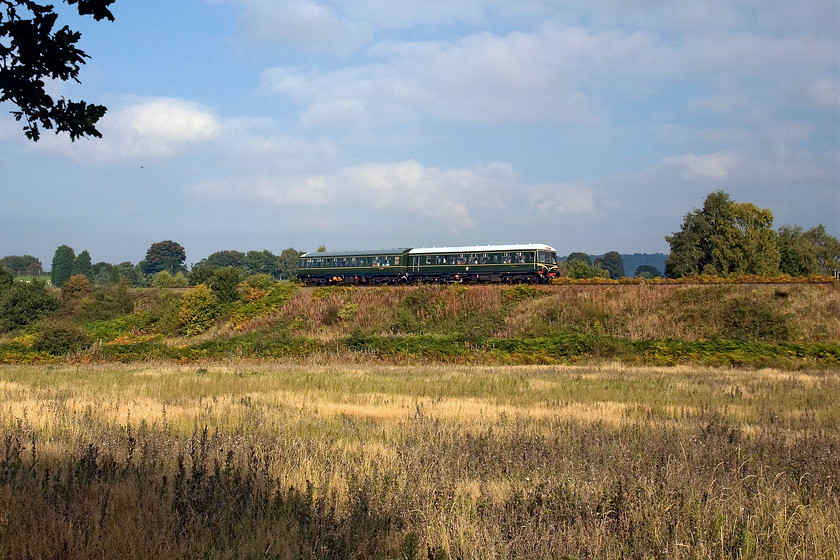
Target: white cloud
[[303, 24], [563, 199], [151, 128], [448, 199], [480, 78], [703, 168]]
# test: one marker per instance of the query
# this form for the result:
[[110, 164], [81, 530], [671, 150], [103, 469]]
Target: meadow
[[341, 456]]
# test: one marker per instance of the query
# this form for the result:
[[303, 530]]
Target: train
[[511, 264]]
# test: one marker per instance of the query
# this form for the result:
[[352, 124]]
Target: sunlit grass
[[464, 462]]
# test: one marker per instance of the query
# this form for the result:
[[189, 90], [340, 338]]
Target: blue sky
[[587, 125]]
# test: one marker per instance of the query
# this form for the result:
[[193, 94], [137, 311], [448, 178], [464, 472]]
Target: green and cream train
[[531, 263]]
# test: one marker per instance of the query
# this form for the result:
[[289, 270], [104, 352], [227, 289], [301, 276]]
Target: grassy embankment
[[243, 460], [785, 325]]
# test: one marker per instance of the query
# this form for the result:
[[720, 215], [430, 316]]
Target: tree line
[[165, 266]]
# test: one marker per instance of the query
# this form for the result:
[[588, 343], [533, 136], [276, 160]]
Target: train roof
[[482, 249], [362, 253]]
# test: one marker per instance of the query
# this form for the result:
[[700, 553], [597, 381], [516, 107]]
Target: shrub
[[754, 320], [164, 279], [24, 303], [199, 307], [225, 282], [76, 288], [61, 338]]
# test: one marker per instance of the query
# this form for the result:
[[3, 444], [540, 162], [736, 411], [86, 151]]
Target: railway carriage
[[530, 263], [385, 266]]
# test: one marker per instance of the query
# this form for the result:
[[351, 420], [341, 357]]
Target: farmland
[[320, 458]]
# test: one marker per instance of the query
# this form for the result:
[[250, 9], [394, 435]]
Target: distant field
[[323, 459]]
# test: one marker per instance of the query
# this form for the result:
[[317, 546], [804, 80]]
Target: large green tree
[[289, 261], [62, 265], [34, 51], [164, 255], [808, 252], [82, 265], [613, 263], [724, 238]]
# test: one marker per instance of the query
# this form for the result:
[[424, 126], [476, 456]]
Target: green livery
[[532, 263]]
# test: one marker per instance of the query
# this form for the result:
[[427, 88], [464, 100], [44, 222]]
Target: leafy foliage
[[613, 263], [62, 265], [22, 264], [24, 303], [61, 338], [225, 282], [82, 265], [199, 307], [33, 51], [724, 238], [164, 255]]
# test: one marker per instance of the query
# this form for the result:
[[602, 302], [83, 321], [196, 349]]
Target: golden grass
[[478, 462]]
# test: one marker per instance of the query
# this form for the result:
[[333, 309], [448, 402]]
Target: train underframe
[[529, 277]]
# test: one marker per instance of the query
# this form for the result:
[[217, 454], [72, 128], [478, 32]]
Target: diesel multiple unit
[[531, 263]]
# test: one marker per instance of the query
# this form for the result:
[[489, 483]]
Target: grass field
[[352, 460]]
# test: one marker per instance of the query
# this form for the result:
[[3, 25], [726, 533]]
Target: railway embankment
[[780, 324]]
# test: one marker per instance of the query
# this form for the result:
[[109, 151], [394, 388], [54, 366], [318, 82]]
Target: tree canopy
[[724, 238], [34, 50], [62, 265], [613, 263], [164, 255]]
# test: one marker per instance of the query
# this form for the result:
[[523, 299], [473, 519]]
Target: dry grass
[[338, 460]]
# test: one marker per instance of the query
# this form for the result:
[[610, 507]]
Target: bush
[[76, 288], [225, 282], [199, 307], [164, 279], [59, 339], [24, 303]]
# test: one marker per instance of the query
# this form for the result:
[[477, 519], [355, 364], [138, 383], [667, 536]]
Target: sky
[[586, 125]]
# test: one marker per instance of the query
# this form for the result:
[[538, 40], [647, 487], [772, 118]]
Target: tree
[[613, 263], [165, 255], [224, 283], [289, 261], [62, 265], [647, 271], [82, 265], [583, 257], [724, 238], [827, 249], [20, 265], [6, 280], [260, 262], [32, 53], [222, 259], [579, 269], [129, 273]]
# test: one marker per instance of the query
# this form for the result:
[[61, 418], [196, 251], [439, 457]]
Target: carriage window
[[529, 257]]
